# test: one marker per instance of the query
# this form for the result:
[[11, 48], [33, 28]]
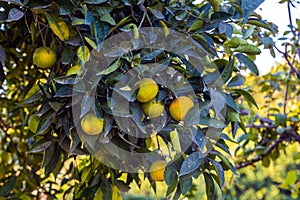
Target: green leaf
[[266, 162], [220, 16], [280, 119], [185, 183], [197, 24], [99, 28], [226, 28], [75, 140], [247, 96], [8, 186], [248, 49], [248, 6], [225, 161], [123, 187], [95, 1], [86, 104], [152, 55], [220, 172], [40, 145], [248, 63], [261, 23], [210, 186], [170, 174], [230, 102], [232, 116], [2, 55], [120, 23], [111, 68], [65, 7], [14, 15], [238, 80], [291, 177], [67, 55], [235, 42], [106, 190], [51, 158], [227, 72], [64, 92], [296, 156], [67, 80], [157, 13], [194, 117], [107, 18], [268, 42], [192, 163], [45, 123], [172, 187]]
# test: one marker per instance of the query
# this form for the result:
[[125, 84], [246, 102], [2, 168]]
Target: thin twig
[[148, 18], [289, 62], [290, 18], [142, 21]]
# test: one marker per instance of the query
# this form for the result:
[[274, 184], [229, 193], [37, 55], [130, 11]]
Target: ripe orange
[[44, 57], [180, 106], [148, 89], [157, 170]]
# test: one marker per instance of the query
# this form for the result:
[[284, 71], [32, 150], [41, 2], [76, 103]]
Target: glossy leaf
[[8, 186], [192, 163], [237, 80], [248, 63], [185, 183], [248, 6], [219, 171], [248, 96], [2, 55], [14, 14]]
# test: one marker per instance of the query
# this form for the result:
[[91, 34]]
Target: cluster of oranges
[[148, 89], [146, 95]]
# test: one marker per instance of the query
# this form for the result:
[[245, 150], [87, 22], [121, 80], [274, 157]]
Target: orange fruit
[[148, 89], [180, 106], [91, 124], [44, 57], [157, 170], [153, 109]]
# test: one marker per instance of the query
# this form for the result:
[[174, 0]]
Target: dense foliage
[[56, 162]]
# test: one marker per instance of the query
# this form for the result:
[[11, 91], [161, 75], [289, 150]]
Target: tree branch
[[261, 156], [288, 135], [270, 126]]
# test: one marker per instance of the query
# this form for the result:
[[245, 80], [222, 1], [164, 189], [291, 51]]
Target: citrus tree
[[98, 94]]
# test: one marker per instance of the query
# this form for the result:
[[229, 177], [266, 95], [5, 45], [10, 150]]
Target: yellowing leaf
[[165, 27], [291, 177], [91, 42], [59, 27], [83, 53]]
